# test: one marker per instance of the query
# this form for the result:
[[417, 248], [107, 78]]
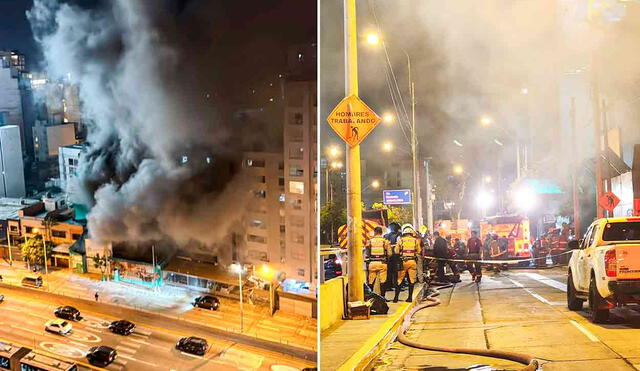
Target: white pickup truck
[[605, 267]]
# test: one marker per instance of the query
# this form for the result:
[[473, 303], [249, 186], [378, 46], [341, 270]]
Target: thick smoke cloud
[[159, 164]]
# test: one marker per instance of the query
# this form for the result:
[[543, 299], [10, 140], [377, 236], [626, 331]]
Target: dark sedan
[[102, 355], [193, 345], [68, 313], [207, 302], [122, 327]]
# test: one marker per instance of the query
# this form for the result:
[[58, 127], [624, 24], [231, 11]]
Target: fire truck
[[515, 228]]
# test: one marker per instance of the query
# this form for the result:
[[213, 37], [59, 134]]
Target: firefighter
[[395, 261], [408, 247], [377, 252]]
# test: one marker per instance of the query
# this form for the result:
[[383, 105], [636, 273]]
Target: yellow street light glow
[[373, 39], [485, 121], [375, 184], [236, 268], [457, 169], [388, 118], [333, 151], [336, 164], [387, 146], [36, 230]]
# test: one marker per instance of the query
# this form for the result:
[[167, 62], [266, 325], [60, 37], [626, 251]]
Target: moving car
[[102, 355], [605, 267], [68, 312], [58, 326], [122, 327], [32, 281], [207, 302], [193, 345]]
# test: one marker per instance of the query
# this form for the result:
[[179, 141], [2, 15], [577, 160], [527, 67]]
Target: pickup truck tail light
[[610, 263]]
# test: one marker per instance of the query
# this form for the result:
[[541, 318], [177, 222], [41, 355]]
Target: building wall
[[68, 160], [10, 99], [264, 220], [49, 138], [71, 231], [300, 138], [11, 162]]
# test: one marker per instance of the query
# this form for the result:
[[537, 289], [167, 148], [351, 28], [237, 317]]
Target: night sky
[[252, 35]]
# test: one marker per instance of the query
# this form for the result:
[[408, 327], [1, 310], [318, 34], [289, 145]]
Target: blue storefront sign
[[396, 196]]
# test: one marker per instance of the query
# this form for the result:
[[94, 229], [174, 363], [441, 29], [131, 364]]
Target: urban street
[[150, 347], [519, 310]]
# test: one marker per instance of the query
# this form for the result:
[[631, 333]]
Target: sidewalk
[[353, 344], [176, 302]]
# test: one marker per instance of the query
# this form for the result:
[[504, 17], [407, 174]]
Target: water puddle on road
[[388, 362]]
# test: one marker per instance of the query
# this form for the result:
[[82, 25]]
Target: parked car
[[32, 281], [193, 345], [102, 355], [122, 327], [604, 268], [68, 312], [207, 302], [58, 326], [332, 267]]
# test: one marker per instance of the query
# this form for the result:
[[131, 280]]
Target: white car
[[58, 326], [605, 267]]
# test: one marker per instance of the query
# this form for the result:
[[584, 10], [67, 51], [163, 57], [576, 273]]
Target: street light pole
[[354, 196], [241, 302]]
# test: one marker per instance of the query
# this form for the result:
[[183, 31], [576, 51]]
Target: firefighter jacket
[[378, 248], [408, 247]]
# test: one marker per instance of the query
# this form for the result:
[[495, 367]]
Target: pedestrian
[[441, 252], [474, 249], [394, 263], [408, 247], [496, 252], [97, 296], [377, 252]]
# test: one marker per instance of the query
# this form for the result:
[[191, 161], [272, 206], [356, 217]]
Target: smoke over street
[[159, 164]]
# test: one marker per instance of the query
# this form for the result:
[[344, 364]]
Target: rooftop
[[9, 206]]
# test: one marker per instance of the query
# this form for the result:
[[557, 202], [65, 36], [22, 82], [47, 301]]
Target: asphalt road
[[522, 311], [150, 347]]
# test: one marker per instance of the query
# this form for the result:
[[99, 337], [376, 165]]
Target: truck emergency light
[[610, 263]]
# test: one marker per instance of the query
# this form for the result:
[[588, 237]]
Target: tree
[[101, 262], [332, 216], [33, 250], [395, 213]]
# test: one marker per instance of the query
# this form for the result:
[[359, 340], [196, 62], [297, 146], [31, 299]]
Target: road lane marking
[[192, 355], [546, 280], [126, 349], [93, 330], [135, 345], [136, 360], [141, 341], [542, 299], [78, 343], [585, 331]]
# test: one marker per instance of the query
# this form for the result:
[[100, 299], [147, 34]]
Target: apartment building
[[264, 221], [12, 182]]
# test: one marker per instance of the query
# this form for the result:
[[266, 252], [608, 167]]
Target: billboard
[[396, 196]]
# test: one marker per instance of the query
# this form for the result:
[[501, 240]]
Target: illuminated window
[[296, 187], [255, 163]]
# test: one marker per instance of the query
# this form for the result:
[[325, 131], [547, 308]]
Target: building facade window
[[296, 170], [296, 187], [256, 239], [59, 234]]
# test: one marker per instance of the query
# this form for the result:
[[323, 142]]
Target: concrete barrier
[[331, 301]]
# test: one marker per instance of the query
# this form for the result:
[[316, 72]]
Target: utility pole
[[429, 195], [354, 196], [417, 203], [597, 133], [574, 171]]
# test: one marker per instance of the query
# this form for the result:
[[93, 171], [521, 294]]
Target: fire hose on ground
[[530, 363]]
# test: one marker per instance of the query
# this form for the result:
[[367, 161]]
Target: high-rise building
[[12, 184], [10, 94], [300, 173], [264, 221]]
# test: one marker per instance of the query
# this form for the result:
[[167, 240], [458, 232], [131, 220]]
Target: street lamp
[[388, 117], [484, 200], [237, 268], [336, 164], [387, 146], [375, 184], [373, 38], [485, 121], [458, 169], [333, 151], [487, 179]]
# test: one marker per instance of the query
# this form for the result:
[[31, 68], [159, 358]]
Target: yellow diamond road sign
[[353, 120]]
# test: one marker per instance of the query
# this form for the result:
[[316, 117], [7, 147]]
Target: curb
[[294, 351], [379, 342]]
